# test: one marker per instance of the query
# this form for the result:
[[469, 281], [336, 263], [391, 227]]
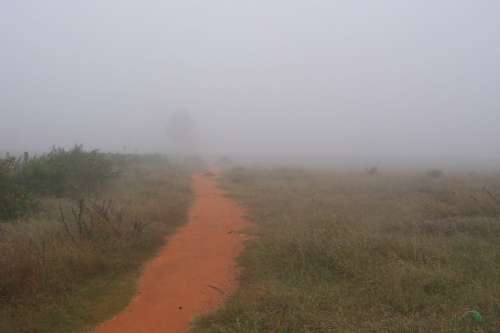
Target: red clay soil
[[194, 272]]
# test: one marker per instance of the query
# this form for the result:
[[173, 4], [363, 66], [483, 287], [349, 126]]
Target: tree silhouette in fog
[[180, 130]]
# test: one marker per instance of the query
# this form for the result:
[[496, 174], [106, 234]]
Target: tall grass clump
[[338, 252]]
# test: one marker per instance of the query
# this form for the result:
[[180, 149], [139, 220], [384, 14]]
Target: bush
[[62, 172], [434, 173], [73, 173], [15, 200], [372, 171]]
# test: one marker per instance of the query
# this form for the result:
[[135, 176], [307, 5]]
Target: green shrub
[[61, 172], [72, 173], [15, 200]]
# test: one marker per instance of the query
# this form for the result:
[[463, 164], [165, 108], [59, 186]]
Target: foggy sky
[[374, 78]]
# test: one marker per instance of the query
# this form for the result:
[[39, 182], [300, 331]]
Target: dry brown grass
[[350, 252]]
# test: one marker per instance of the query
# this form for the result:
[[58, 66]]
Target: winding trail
[[194, 272]]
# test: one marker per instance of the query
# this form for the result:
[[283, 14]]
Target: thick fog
[[417, 79]]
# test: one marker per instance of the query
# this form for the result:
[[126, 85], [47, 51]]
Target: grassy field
[[73, 261], [366, 252]]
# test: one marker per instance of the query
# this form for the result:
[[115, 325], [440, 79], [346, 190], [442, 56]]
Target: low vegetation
[[15, 201], [345, 252], [70, 173], [77, 225]]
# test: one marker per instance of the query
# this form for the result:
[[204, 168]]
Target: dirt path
[[194, 271]]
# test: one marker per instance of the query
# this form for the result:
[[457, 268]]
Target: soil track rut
[[193, 273]]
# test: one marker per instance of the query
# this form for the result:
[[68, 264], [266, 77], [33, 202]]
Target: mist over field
[[249, 166], [324, 79]]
